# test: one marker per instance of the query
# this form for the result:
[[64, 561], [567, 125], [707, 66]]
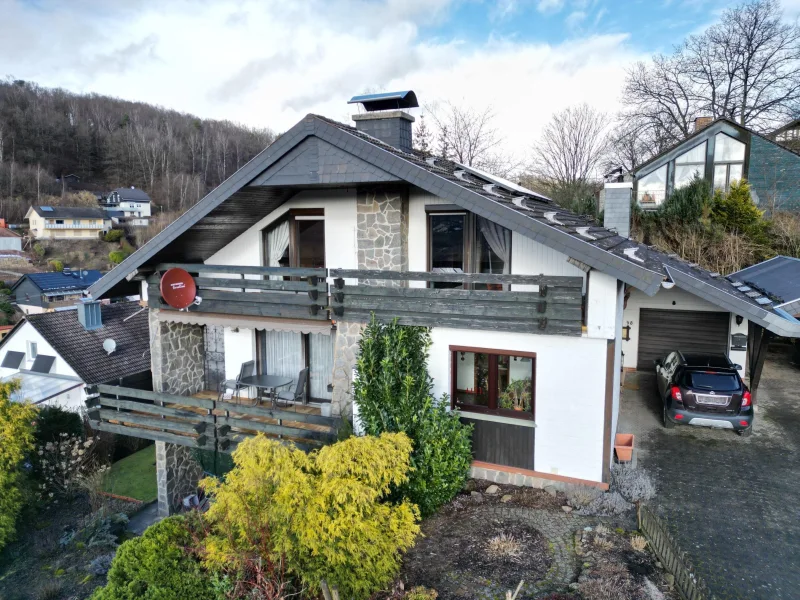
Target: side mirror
[[737, 367], [658, 362]]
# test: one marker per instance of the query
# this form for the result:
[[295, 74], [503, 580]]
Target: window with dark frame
[[286, 353], [461, 242], [493, 381], [297, 241]]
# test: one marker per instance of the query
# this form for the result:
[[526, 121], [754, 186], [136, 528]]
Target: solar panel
[[46, 208], [12, 360], [43, 363]]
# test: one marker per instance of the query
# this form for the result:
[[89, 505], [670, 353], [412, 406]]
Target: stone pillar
[[382, 229], [345, 351], [177, 357]]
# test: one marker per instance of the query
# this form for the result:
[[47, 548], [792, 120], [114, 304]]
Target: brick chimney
[[701, 122], [385, 118]]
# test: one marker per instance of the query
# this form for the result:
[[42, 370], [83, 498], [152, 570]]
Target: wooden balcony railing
[[553, 307], [201, 421]]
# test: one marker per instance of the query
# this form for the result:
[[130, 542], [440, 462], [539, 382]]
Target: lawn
[[134, 476]]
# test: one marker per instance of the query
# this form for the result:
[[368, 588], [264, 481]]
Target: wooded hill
[[108, 142]]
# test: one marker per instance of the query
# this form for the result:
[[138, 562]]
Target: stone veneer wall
[[177, 356], [345, 351], [382, 229]]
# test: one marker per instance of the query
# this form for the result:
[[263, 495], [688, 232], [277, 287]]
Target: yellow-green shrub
[[16, 439], [323, 512]]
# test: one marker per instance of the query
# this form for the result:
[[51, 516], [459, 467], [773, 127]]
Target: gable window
[[460, 242], [494, 381], [652, 188], [689, 165], [33, 350], [728, 161], [297, 241]]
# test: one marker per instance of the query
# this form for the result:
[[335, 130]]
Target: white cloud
[[550, 6], [270, 63], [575, 19]]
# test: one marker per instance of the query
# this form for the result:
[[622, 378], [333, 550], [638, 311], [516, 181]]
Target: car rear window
[[719, 382]]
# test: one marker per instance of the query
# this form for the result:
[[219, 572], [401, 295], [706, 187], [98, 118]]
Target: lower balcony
[[204, 421]]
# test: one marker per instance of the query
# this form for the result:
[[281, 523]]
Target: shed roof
[[69, 212], [778, 278], [72, 280]]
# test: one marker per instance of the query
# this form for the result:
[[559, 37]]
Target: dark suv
[[703, 389]]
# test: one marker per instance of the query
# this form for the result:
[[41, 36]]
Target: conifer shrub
[[322, 517], [114, 235], [161, 564], [393, 391], [734, 210]]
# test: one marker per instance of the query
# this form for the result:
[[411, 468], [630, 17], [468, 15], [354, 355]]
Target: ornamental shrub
[[54, 420], [160, 565], [117, 256], [393, 391], [323, 515], [114, 235], [734, 210], [56, 265], [16, 440]]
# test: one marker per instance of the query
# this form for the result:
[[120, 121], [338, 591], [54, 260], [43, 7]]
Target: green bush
[[735, 210], [689, 204], [54, 420], [39, 250], [56, 265], [393, 391], [117, 256], [159, 565], [114, 235]]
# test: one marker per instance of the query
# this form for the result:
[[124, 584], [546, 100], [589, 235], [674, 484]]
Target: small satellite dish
[[85, 273], [109, 345]]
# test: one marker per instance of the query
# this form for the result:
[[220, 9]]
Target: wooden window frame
[[471, 239], [493, 354], [291, 217]]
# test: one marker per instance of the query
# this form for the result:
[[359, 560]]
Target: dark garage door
[[662, 331]]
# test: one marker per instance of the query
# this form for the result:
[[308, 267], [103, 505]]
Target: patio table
[[266, 382]]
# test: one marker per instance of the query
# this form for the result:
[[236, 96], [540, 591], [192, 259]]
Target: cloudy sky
[[269, 62]]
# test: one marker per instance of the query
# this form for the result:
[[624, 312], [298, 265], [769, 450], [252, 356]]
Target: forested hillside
[[46, 133]]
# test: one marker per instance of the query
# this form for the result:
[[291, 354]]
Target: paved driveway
[[732, 503]]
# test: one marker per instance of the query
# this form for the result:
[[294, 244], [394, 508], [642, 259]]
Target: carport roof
[[778, 278]]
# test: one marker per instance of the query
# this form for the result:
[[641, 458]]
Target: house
[[788, 135], [9, 240], [56, 355], [67, 222], [285, 262], [128, 206], [46, 292], [721, 152], [4, 330]]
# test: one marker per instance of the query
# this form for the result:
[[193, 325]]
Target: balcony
[[518, 303], [203, 421], [73, 226]]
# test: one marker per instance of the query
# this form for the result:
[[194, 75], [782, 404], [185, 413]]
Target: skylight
[[46, 208]]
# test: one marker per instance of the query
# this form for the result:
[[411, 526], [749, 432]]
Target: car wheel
[[745, 432], [668, 424]]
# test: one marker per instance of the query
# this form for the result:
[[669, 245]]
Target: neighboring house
[[788, 135], [129, 205], [721, 152], [67, 222], [4, 330], [54, 356], [332, 223], [45, 292], [9, 240]]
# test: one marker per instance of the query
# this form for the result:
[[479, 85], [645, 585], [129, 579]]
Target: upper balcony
[[82, 225], [518, 303]]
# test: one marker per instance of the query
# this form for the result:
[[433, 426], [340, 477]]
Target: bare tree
[[468, 136], [745, 68], [423, 137]]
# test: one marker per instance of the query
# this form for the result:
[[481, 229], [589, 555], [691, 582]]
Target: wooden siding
[[502, 443], [529, 257]]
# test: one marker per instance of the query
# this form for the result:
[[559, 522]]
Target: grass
[[134, 476]]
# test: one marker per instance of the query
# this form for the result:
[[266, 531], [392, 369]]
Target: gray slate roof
[[132, 194], [70, 212], [83, 350], [524, 211]]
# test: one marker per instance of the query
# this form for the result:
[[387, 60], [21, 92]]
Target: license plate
[[712, 400]]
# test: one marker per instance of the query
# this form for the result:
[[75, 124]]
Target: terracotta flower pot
[[517, 408], [623, 446]]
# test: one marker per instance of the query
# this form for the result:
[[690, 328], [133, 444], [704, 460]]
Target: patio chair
[[248, 369], [299, 394]]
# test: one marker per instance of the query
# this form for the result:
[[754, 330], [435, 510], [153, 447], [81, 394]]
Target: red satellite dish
[[178, 288]]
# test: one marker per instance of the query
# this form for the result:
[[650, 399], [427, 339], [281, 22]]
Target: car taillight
[[676, 393], [746, 399]]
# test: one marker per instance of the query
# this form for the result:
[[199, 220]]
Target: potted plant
[[517, 396]]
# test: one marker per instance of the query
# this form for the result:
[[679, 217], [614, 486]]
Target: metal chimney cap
[[386, 100]]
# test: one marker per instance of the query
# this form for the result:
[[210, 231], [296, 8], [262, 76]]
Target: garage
[[662, 331]]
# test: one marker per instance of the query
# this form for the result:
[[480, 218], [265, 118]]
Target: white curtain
[[277, 242], [499, 240], [321, 367], [283, 355]]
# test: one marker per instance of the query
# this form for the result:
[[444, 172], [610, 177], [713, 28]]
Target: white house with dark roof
[[128, 204], [54, 356], [289, 258]]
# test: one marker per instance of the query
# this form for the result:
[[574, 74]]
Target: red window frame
[[493, 408]]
